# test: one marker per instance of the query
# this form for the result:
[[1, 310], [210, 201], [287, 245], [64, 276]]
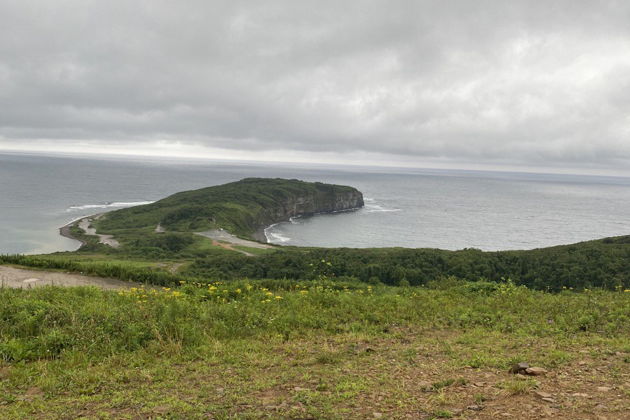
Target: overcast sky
[[495, 84]]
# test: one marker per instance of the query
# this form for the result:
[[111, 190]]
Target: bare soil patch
[[21, 278]]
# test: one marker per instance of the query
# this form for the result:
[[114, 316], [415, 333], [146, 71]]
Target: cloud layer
[[484, 81]]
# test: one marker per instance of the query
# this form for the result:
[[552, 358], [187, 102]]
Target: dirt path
[[231, 248], [226, 240], [22, 278]]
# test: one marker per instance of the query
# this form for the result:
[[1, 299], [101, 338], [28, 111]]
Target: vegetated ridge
[[243, 208]]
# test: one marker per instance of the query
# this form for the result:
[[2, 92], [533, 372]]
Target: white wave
[[375, 208], [109, 205], [275, 237]]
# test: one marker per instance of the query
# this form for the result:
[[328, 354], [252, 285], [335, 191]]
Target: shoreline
[[65, 231], [103, 239], [261, 233]]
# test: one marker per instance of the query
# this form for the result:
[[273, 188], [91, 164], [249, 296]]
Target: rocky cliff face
[[330, 200]]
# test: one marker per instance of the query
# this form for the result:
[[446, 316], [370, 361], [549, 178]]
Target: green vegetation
[[44, 323], [601, 263], [594, 264], [308, 332], [322, 349], [241, 207]]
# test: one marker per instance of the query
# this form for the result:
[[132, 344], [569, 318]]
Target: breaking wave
[[370, 206], [109, 205]]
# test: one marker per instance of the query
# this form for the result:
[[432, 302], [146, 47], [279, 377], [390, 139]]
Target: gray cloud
[[491, 81]]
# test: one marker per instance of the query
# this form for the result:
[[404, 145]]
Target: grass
[[252, 349], [519, 385]]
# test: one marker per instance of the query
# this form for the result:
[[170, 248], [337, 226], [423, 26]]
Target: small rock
[[519, 367], [425, 386], [535, 371], [603, 388]]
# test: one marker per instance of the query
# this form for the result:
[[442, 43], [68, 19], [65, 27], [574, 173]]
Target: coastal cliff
[[244, 208], [326, 199]]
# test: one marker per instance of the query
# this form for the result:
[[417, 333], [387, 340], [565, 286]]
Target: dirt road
[[21, 278]]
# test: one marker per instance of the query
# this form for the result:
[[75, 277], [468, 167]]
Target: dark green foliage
[[600, 263], [167, 243], [593, 264]]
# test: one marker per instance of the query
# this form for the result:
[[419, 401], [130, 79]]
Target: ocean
[[445, 209]]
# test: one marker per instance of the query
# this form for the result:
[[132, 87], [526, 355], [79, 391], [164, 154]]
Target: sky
[[468, 84]]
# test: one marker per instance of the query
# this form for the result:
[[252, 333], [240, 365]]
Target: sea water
[[407, 208]]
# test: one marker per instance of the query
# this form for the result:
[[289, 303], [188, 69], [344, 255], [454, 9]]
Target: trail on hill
[[20, 278]]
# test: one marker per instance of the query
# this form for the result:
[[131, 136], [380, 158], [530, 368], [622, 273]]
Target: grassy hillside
[[323, 350], [240, 207]]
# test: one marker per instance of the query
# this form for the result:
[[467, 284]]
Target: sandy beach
[[85, 225]]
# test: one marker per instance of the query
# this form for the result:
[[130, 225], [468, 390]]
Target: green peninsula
[[243, 208]]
